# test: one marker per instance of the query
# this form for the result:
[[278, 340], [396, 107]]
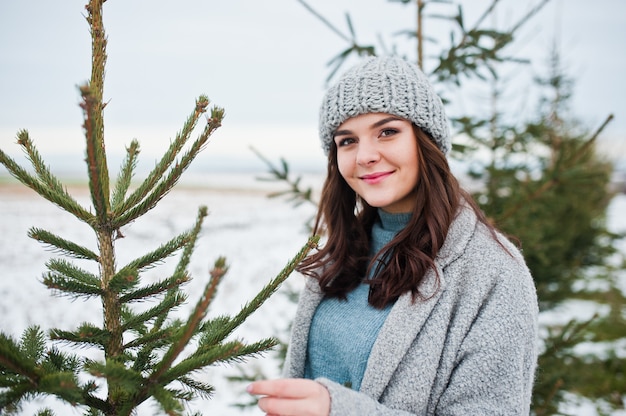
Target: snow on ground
[[257, 235]]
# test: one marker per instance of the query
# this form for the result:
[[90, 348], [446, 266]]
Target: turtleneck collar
[[386, 229], [393, 222]]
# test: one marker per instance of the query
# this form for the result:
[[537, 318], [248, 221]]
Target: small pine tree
[[147, 353]]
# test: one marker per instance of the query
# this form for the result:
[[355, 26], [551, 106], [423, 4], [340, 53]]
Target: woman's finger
[[291, 388], [291, 397]]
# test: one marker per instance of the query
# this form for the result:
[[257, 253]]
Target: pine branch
[[124, 280], [230, 352], [216, 274], [95, 404], [63, 385], [161, 253], [355, 47], [294, 193], [185, 333], [185, 258], [26, 370], [595, 135], [156, 339], [62, 245], [162, 309], [227, 353], [154, 289], [70, 287], [11, 399], [86, 334], [173, 297], [167, 400], [171, 178], [532, 12], [271, 287], [33, 343], [180, 271], [125, 175], [117, 372], [12, 361], [191, 326], [324, 20], [203, 389], [96, 159], [63, 201], [43, 172], [250, 307], [168, 158], [559, 171], [93, 106], [56, 360], [128, 277], [466, 56], [71, 271], [282, 174], [212, 329]]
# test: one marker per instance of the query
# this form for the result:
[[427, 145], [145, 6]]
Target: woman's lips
[[374, 178]]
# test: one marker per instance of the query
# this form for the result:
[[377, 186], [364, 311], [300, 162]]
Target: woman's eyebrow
[[385, 121], [342, 133], [379, 123]]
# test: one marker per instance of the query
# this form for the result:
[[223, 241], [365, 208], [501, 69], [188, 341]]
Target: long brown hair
[[343, 261]]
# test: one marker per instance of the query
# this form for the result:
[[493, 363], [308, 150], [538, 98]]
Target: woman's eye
[[388, 132], [345, 142]]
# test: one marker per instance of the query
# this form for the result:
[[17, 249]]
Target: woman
[[415, 304]]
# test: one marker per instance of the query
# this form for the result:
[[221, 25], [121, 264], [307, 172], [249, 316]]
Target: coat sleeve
[[347, 402]]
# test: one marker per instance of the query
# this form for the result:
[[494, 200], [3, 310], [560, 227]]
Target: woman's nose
[[367, 153]]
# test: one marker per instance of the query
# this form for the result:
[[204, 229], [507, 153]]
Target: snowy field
[[257, 235]]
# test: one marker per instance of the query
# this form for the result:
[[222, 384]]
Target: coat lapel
[[310, 298], [407, 318], [404, 322]]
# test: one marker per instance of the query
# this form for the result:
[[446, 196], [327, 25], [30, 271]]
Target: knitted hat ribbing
[[384, 85]]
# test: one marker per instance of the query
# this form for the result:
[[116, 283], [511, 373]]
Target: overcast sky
[[265, 62]]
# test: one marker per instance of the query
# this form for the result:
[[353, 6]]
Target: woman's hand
[[291, 397]]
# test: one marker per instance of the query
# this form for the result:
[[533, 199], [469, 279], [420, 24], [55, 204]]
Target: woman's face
[[377, 157]]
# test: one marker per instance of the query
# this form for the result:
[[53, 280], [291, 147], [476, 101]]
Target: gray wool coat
[[470, 348]]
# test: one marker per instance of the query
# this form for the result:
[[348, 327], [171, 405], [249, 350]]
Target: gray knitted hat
[[384, 85]]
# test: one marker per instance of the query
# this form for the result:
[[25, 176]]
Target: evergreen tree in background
[[546, 186], [148, 352], [541, 182]]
